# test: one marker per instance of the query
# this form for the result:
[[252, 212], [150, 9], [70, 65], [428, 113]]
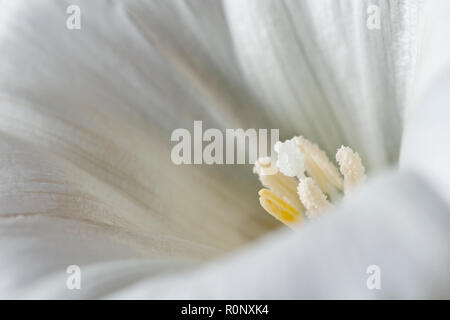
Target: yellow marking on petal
[[351, 168], [283, 186], [312, 197], [278, 208], [319, 166]]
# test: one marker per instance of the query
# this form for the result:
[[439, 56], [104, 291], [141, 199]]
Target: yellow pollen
[[283, 186], [351, 168], [279, 209], [312, 197]]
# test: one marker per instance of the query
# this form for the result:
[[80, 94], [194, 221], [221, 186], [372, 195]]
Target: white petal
[[426, 141], [323, 74], [36, 252], [397, 223], [103, 100]]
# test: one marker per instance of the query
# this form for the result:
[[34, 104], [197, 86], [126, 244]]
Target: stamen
[[286, 199], [281, 185], [351, 168], [319, 166], [312, 198], [279, 209]]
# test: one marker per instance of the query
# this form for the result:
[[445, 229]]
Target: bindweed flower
[[92, 207]]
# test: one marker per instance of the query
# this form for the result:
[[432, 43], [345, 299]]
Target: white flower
[[85, 121]]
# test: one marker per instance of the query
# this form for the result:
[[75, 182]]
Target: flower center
[[307, 183]]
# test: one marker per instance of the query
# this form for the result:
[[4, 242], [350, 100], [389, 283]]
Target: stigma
[[306, 183]]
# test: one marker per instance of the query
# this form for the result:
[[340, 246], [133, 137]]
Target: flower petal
[[324, 74], [426, 141], [101, 102], [37, 251], [405, 235]]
